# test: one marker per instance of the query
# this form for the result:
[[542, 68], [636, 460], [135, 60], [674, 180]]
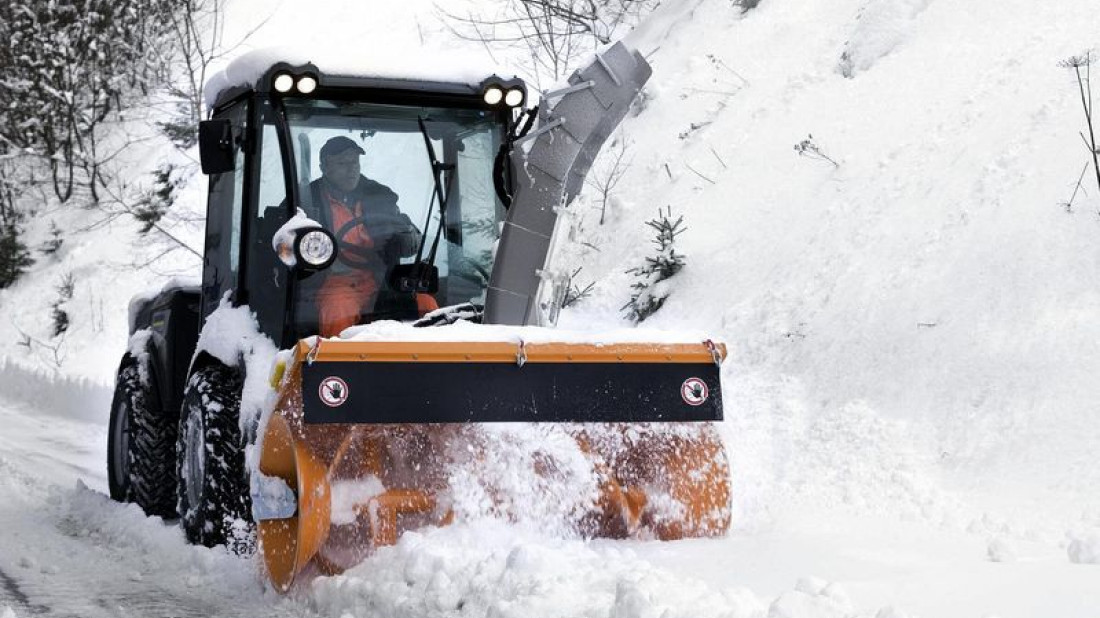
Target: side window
[[266, 280], [479, 212], [222, 256], [272, 183]]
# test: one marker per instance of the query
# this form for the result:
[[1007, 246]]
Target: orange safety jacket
[[347, 293]]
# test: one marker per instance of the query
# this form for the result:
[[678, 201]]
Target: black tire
[[141, 462], [213, 487]]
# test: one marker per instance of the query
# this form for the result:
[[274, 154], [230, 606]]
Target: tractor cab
[[402, 220]]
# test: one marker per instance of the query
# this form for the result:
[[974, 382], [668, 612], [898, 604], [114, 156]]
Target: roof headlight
[[307, 84], [493, 95], [514, 97], [283, 82]]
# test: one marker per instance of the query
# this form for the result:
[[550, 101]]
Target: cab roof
[[454, 72]]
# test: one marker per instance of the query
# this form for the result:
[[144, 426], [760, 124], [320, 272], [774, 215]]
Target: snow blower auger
[[365, 436], [340, 199]]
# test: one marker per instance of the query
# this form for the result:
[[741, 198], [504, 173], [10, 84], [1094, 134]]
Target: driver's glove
[[402, 237], [407, 240]]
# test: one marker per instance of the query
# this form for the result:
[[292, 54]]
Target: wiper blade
[[439, 194]]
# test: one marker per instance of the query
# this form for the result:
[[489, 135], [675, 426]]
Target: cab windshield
[[365, 173]]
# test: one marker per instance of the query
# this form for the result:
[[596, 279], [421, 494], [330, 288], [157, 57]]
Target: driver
[[372, 235]]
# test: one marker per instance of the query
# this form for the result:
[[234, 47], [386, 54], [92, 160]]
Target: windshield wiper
[[422, 275]]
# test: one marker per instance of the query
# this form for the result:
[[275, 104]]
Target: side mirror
[[421, 278], [217, 150]]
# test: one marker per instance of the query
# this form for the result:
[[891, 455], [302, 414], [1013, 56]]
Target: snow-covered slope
[[911, 395], [930, 281]]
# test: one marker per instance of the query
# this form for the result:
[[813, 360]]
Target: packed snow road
[[67, 550]]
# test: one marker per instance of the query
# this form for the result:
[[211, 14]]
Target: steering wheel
[[351, 254], [386, 230]]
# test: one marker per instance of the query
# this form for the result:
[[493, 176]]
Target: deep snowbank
[[930, 282], [57, 394]]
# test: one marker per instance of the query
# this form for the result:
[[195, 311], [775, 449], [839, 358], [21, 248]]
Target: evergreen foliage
[[53, 244], [64, 294], [154, 204], [14, 256], [68, 67], [650, 291]]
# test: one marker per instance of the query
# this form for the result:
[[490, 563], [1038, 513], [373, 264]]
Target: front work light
[[316, 248], [283, 82]]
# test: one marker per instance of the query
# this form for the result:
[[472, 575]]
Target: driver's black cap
[[339, 144]]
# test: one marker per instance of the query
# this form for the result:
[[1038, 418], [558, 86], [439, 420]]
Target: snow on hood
[[344, 57]]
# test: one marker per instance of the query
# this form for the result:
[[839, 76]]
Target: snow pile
[[232, 336], [1085, 550], [70, 397], [1000, 550], [489, 568], [812, 597], [881, 26]]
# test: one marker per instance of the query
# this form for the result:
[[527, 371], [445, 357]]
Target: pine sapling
[[58, 313], [15, 257], [53, 244], [651, 291]]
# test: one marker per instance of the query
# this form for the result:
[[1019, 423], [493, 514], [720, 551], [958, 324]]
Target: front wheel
[[214, 504]]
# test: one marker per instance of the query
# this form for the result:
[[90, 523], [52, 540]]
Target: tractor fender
[[149, 360]]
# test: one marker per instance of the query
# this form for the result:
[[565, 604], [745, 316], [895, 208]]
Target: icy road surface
[[67, 550]]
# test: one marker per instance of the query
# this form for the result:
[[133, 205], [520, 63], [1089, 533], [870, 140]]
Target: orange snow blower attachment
[[368, 438]]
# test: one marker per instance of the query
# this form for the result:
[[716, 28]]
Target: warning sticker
[[694, 391], [333, 391]]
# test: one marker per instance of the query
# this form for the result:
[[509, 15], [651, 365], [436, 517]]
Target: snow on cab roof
[[452, 67]]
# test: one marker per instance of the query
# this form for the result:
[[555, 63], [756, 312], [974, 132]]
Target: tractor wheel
[[213, 488], [141, 447]]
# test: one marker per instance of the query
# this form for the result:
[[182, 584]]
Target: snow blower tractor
[[393, 237]]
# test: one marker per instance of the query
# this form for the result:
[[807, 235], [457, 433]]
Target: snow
[[150, 293], [286, 235], [232, 336], [1085, 551], [911, 386], [343, 57], [466, 331]]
